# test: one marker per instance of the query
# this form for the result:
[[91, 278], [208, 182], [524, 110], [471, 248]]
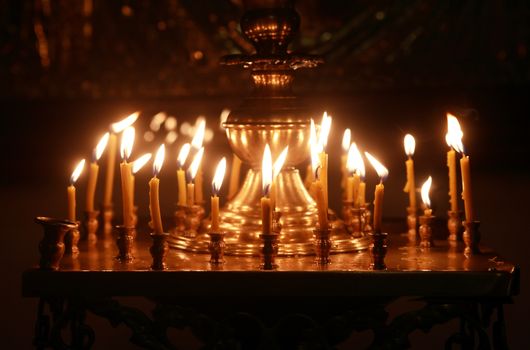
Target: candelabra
[[271, 115]]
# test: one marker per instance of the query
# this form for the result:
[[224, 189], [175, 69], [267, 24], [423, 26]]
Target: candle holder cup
[[270, 247], [378, 250], [322, 245], [91, 226], [454, 225], [216, 247], [107, 214], [471, 237], [124, 242], [412, 223], [51, 247], [159, 250], [71, 240], [426, 231]]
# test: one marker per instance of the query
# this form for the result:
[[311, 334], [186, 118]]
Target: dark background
[[69, 69]]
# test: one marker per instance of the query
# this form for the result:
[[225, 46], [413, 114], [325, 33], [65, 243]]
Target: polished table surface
[[440, 271]]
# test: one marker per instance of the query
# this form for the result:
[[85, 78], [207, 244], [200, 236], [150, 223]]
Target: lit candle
[[382, 172], [317, 190], [410, 186], [355, 166], [93, 172], [154, 202], [112, 146], [196, 144], [192, 171], [310, 172], [181, 174], [453, 138], [325, 127], [71, 190], [425, 196], [266, 179], [127, 141], [346, 141], [136, 166], [234, 176], [276, 169], [216, 187]]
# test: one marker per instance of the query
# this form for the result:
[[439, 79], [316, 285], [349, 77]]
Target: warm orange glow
[[425, 192], [192, 170], [315, 159], [102, 144], [140, 162], [278, 164], [77, 171], [346, 140], [219, 176], [355, 163], [198, 138], [410, 145], [381, 170], [325, 127], [454, 134], [127, 142], [183, 154], [313, 138], [124, 123], [223, 117], [159, 159], [266, 170]]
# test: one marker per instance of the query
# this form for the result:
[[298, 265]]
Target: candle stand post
[[378, 250], [180, 220], [192, 220], [159, 250], [412, 223], [71, 239], [124, 242], [322, 245], [354, 218], [216, 247], [454, 225], [51, 247], [426, 231], [91, 226], [471, 237], [268, 251], [107, 214]]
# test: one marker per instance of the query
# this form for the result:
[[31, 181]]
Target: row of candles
[[190, 181]]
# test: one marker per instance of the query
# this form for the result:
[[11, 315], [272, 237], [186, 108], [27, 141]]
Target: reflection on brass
[[51, 247], [426, 231], [125, 243], [412, 223], [454, 225], [471, 237], [91, 226]]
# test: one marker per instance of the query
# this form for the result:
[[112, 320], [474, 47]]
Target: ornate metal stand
[[471, 237], [71, 239], [159, 250], [322, 246], [180, 221], [216, 247], [269, 251], [91, 226], [51, 247], [454, 224], [426, 231], [194, 216], [412, 222], [125, 242], [378, 250], [354, 219]]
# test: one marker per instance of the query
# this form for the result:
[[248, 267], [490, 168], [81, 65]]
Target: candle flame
[[183, 154], [410, 145], [198, 138], [124, 123], [102, 144], [325, 127], [140, 162], [315, 160], [278, 164], [346, 140], [127, 142], [454, 134], [381, 170], [77, 172], [355, 163], [159, 159], [219, 176], [266, 170], [313, 138], [194, 166], [425, 188], [223, 117]]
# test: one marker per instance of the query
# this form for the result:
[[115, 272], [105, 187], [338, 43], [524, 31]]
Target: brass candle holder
[[322, 245], [412, 222], [216, 247], [51, 247], [71, 239], [180, 220], [159, 250], [378, 250], [124, 242], [454, 225], [354, 218], [91, 226], [107, 213], [192, 221], [426, 231], [471, 237], [268, 251]]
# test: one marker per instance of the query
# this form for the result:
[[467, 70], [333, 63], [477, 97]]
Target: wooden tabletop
[[439, 271]]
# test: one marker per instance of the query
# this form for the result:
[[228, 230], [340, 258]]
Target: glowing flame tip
[[183, 154], [381, 170], [266, 170], [194, 166], [102, 144], [140, 162], [410, 145], [425, 192], [346, 140], [159, 159], [219, 176], [77, 172], [124, 123]]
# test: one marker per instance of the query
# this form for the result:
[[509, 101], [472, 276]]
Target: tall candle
[[382, 172], [454, 141], [323, 156], [362, 193], [322, 209], [126, 176], [410, 187], [93, 172], [214, 200], [346, 141], [425, 197], [196, 144], [181, 174], [466, 188], [451, 165], [266, 180], [309, 177], [234, 176], [198, 185], [192, 172], [154, 183], [355, 166], [71, 190]]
